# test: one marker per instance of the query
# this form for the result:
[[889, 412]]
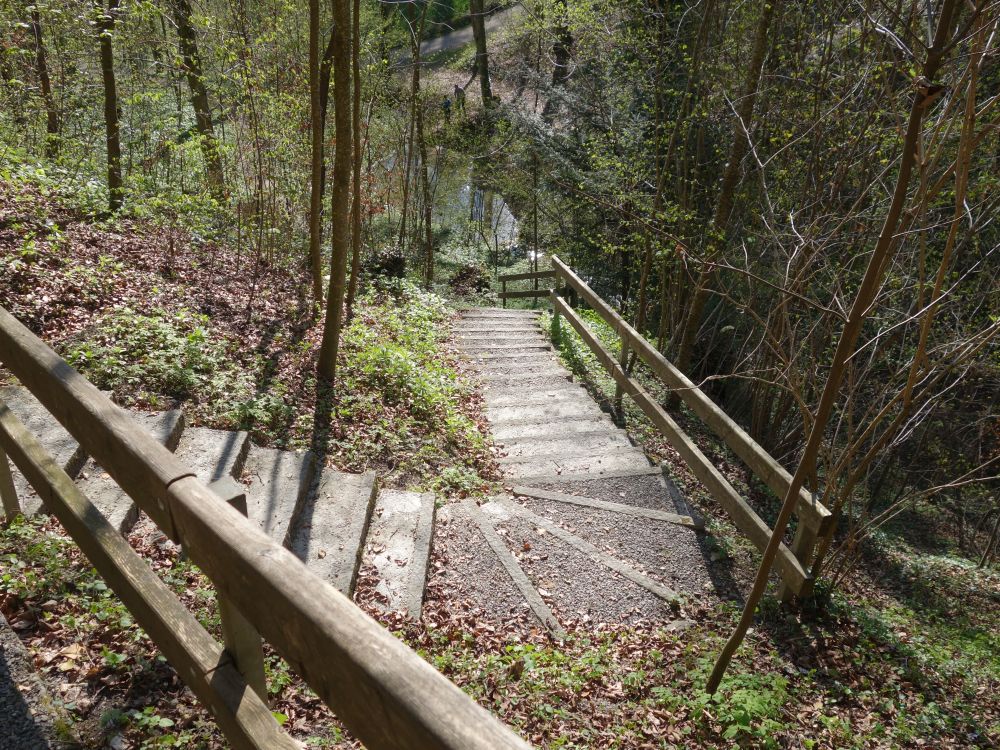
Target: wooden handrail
[[385, 694], [209, 671], [527, 275], [766, 467], [742, 514]]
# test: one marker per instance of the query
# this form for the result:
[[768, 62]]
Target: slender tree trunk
[[352, 288], [877, 265], [105, 30], [340, 229], [730, 181], [51, 112], [316, 120], [199, 99], [482, 60], [427, 200]]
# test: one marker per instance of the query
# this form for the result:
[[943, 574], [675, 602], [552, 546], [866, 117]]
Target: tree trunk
[[340, 234], [105, 29], [352, 288], [730, 181], [199, 99], [426, 188], [51, 113], [482, 61], [316, 179]]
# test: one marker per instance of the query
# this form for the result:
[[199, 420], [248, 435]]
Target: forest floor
[[905, 654]]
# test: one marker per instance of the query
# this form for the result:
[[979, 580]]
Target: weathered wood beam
[[199, 660], [745, 518]]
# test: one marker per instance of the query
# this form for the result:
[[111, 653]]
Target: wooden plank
[[8, 493], [745, 518], [514, 570], [241, 638], [385, 694], [199, 660], [621, 568], [764, 466], [550, 274], [590, 502], [523, 293]]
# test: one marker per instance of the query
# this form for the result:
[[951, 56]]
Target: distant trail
[[461, 37]]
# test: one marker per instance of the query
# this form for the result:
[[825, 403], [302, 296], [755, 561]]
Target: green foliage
[[150, 359]]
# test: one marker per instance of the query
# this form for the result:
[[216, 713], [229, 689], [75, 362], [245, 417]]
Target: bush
[[469, 281]]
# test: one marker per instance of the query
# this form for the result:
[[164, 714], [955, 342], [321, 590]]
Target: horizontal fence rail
[[382, 691], [534, 292], [815, 520]]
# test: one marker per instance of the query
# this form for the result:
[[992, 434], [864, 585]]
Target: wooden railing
[[814, 519], [384, 693], [535, 291]]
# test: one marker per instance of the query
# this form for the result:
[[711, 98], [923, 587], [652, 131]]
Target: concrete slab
[[556, 444], [328, 534], [594, 465], [213, 454], [116, 506], [528, 395], [576, 409], [277, 482], [399, 547], [50, 433], [511, 432]]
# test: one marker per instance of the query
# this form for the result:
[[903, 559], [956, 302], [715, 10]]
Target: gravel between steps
[[465, 566], [574, 586]]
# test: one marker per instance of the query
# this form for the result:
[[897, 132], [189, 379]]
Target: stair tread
[[399, 546], [328, 534], [213, 454], [276, 482]]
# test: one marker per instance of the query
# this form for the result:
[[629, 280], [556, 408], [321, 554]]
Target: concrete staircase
[[583, 503], [333, 521], [548, 426]]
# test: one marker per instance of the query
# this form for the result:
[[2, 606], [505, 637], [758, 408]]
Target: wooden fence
[[384, 693], [535, 291], [814, 519]]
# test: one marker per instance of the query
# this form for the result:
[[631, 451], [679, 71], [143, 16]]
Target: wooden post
[[803, 546], [619, 392], [11, 506], [555, 332], [240, 637], [503, 291]]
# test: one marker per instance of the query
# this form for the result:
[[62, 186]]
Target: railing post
[[803, 545], [503, 291], [239, 636], [619, 393], [555, 332], [8, 494]]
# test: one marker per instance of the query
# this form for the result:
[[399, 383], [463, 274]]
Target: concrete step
[[575, 409], [531, 396], [505, 349], [213, 454], [524, 383], [559, 443], [480, 329], [502, 337], [116, 506], [564, 426], [53, 436], [329, 532], [399, 548], [543, 363], [276, 484], [586, 465]]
